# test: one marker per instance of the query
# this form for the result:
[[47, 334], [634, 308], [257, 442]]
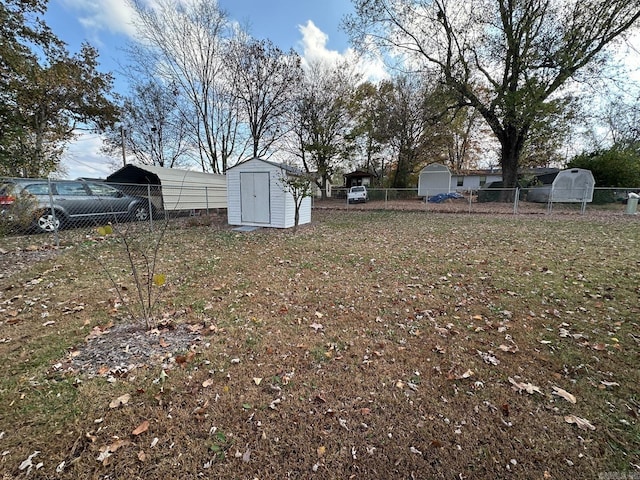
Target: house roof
[[498, 171], [358, 173]]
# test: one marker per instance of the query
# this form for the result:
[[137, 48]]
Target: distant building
[[358, 177], [475, 179]]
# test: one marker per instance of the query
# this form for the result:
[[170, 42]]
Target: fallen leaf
[[610, 384], [207, 383], [163, 343], [107, 450], [564, 394], [319, 315], [466, 374], [582, 423], [488, 358], [121, 400], [528, 387], [257, 380], [321, 450], [246, 456], [513, 348], [316, 326], [184, 359], [143, 427], [28, 463], [142, 456]]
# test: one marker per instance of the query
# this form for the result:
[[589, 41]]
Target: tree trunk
[[512, 144], [296, 216]]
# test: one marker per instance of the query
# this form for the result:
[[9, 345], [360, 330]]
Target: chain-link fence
[[53, 207], [65, 210], [543, 200]]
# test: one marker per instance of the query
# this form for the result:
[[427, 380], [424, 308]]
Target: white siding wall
[[281, 202], [187, 190], [305, 211], [234, 213], [472, 182]]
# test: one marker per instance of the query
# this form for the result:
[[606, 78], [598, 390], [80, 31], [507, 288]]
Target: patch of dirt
[[119, 349], [14, 261]]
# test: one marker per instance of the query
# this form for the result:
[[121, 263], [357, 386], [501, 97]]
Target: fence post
[[53, 213], [150, 206], [516, 200], [386, 197], [206, 196], [470, 199]]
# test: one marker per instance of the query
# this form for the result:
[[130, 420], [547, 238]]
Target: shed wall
[[433, 180], [190, 190], [282, 205]]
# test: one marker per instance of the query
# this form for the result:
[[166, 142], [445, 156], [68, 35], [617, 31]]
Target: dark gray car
[[74, 201]]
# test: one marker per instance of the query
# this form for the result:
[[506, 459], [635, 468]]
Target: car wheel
[[46, 222], [140, 213]]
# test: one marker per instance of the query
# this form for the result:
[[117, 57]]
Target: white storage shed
[[173, 189], [433, 180], [257, 196]]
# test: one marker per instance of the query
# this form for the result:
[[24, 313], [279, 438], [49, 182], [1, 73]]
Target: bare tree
[[265, 80], [186, 44], [151, 127], [522, 52]]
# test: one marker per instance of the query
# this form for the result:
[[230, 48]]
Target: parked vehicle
[[30, 203], [539, 194], [357, 194]]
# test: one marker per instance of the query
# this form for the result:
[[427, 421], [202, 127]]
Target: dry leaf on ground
[[527, 387], [582, 423], [121, 400], [564, 394], [207, 383], [143, 427]]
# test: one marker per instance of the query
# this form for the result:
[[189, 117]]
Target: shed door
[[255, 204]]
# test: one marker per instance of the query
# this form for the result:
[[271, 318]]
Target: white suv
[[357, 194]]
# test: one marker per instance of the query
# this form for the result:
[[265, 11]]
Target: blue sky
[[311, 27]]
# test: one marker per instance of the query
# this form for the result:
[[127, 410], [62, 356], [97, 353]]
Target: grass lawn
[[368, 345]]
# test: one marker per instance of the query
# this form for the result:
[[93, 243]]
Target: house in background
[[357, 178], [257, 196], [476, 179]]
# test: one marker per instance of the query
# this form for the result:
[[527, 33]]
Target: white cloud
[[84, 159], [314, 49], [114, 16]]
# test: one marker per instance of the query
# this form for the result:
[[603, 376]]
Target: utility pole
[[124, 155]]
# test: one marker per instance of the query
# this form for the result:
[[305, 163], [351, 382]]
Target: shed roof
[[151, 174], [287, 168], [436, 167]]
